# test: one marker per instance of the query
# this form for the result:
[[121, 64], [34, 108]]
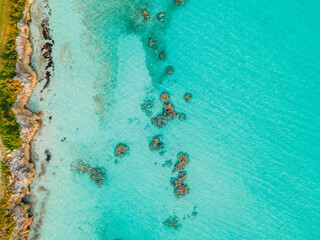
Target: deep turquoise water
[[252, 127]]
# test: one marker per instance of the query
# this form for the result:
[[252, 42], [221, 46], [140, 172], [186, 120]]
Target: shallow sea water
[[252, 127]]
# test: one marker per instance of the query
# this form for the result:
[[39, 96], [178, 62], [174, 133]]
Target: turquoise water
[[251, 133]]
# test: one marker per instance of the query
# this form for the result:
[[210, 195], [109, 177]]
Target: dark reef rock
[[172, 222], [170, 70], [180, 188], [156, 143], [121, 150], [46, 29], [165, 97], [183, 160], [161, 16], [98, 174], [188, 97], [48, 155]]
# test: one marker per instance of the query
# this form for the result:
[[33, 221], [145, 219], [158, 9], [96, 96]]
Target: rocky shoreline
[[21, 165]]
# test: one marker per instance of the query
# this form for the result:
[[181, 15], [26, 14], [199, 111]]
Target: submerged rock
[[80, 166], [97, 174], [161, 16], [172, 222], [170, 70], [152, 43], [146, 15], [165, 97], [162, 55], [179, 2], [156, 143], [121, 150], [48, 155], [167, 163], [183, 160], [188, 97], [194, 213]]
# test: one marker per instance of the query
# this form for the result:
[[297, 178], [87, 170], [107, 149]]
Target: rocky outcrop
[[164, 97], [121, 150], [20, 164], [188, 97]]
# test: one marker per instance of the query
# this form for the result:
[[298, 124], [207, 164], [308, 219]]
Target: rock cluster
[[121, 150], [167, 115], [172, 222], [180, 188], [183, 160], [156, 143], [98, 174]]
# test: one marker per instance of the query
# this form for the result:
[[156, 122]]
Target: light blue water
[[252, 128]]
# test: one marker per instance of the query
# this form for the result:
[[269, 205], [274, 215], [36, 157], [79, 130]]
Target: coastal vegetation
[[11, 11], [6, 217]]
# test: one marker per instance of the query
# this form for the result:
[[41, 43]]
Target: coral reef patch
[[167, 115], [172, 222], [97, 174], [156, 144], [183, 160], [180, 188]]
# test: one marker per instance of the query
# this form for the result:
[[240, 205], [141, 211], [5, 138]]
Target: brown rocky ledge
[[20, 164]]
